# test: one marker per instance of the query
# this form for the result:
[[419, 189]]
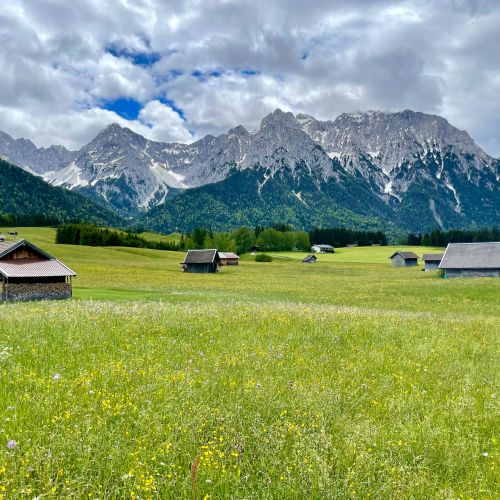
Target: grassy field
[[342, 379]]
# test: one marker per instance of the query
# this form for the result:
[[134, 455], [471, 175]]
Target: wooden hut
[[322, 249], [201, 261], [404, 259], [471, 260], [29, 273], [228, 259], [310, 259], [431, 261]]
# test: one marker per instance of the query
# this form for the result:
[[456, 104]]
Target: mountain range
[[407, 170]]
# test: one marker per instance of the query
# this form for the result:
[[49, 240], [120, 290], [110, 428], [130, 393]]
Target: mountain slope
[[410, 169], [24, 154], [253, 197], [24, 194]]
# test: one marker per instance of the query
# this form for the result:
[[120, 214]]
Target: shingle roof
[[432, 256], [405, 255], [228, 255], [200, 256], [471, 256], [34, 268]]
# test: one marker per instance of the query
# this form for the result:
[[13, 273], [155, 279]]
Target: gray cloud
[[321, 58]]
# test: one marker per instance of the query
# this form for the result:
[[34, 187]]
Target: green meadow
[[341, 379]]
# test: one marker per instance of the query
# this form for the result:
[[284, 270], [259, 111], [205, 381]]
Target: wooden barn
[[29, 273], [431, 261], [201, 261], [322, 249], [310, 259], [404, 259], [228, 259], [462, 260]]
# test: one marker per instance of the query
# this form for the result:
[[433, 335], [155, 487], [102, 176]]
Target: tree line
[[440, 238], [341, 237], [88, 234], [35, 220]]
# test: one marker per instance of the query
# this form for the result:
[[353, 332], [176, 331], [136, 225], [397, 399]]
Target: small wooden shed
[[404, 259], [431, 261], [465, 260], [322, 249], [201, 261], [29, 273], [228, 259], [310, 259]]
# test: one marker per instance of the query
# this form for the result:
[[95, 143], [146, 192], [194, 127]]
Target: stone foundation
[[38, 291]]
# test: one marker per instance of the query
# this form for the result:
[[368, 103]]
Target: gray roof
[[201, 256], [228, 255], [322, 246], [405, 255], [471, 256], [7, 247], [432, 256], [309, 257], [34, 268]]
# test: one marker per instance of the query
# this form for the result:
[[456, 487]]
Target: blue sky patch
[[126, 108], [145, 59], [171, 104], [249, 72]]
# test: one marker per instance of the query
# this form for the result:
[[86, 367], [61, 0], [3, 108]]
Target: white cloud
[[321, 58]]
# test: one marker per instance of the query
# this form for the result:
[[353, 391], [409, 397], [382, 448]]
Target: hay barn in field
[[404, 259], [310, 259], [322, 249], [201, 261], [431, 261], [29, 273], [228, 259], [462, 260]]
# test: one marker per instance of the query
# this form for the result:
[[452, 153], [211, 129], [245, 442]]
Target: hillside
[[411, 170], [23, 194]]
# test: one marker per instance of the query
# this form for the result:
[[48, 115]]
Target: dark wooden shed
[[431, 261], [310, 259], [29, 273], [201, 261], [404, 259]]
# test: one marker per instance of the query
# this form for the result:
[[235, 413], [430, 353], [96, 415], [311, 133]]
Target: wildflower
[[485, 454], [56, 377], [11, 444]]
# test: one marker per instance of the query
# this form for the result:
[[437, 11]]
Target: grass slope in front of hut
[[338, 379]]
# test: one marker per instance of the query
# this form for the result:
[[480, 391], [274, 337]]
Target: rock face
[[410, 169], [38, 161]]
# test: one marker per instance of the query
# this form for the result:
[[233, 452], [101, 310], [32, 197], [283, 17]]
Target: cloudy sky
[[176, 70]]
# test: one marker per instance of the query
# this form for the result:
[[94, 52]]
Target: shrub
[[263, 257]]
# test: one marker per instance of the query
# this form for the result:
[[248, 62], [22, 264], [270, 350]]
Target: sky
[[177, 70]]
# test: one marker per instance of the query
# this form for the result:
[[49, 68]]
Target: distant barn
[[29, 273], [228, 259], [471, 260], [310, 259], [404, 259], [431, 261], [322, 249], [201, 261]]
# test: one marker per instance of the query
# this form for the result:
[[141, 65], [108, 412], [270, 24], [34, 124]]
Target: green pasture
[[341, 379]]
